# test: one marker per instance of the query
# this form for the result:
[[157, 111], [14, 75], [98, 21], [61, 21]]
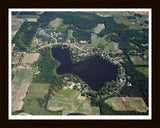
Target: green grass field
[[96, 40], [107, 45], [124, 20], [144, 70], [32, 106], [38, 90], [70, 35], [66, 100], [137, 60], [99, 28], [35, 100], [55, 23]]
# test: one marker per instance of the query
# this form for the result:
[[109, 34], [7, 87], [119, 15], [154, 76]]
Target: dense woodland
[[28, 13], [46, 65], [81, 20]]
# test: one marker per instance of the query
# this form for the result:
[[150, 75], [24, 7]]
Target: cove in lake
[[94, 71]]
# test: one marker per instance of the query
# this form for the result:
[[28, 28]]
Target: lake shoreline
[[93, 70]]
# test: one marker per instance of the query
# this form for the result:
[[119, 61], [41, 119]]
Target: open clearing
[[30, 58], [70, 35], [31, 19], [99, 28], [56, 22], [38, 90], [66, 100], [96, 40], [107, 45], [144, 70], [137, 60], [20, 86], [127, 104], [125, 21]]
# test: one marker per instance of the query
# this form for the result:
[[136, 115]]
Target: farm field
[[141, 12], [106, 45], [70, 35], [99, 28], [144, 70], [124, 20], [55, 23], [35, 100], [66, 100], [30, 58], [127, 104], [20, 86], [16, 24], [96, 40], [31, 19], [38, 90], [16, 58], [137, 60], [34, 106]]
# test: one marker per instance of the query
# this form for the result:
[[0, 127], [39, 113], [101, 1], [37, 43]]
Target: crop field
[[66, 100], [107, 45], [144, 70], [137, 60], [16, 57], [32, 106], [16, 24], [20, 85], [38, 90], [141, 12], [31, 19], [127, 104], [96, 40], [99, 28], [35, 100], [56, 23], [30, 58], [124, 20]]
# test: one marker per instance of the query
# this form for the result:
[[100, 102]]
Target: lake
[[94, 70]]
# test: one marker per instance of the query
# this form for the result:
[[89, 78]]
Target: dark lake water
[[76, 114], [94, 71]]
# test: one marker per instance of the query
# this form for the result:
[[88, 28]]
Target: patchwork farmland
[[20, 86], [68, 101]]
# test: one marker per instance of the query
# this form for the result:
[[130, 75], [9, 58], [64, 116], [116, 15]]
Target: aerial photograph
[[79, 63]]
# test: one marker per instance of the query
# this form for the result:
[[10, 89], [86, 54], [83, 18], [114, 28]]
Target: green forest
[[24, 36]]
